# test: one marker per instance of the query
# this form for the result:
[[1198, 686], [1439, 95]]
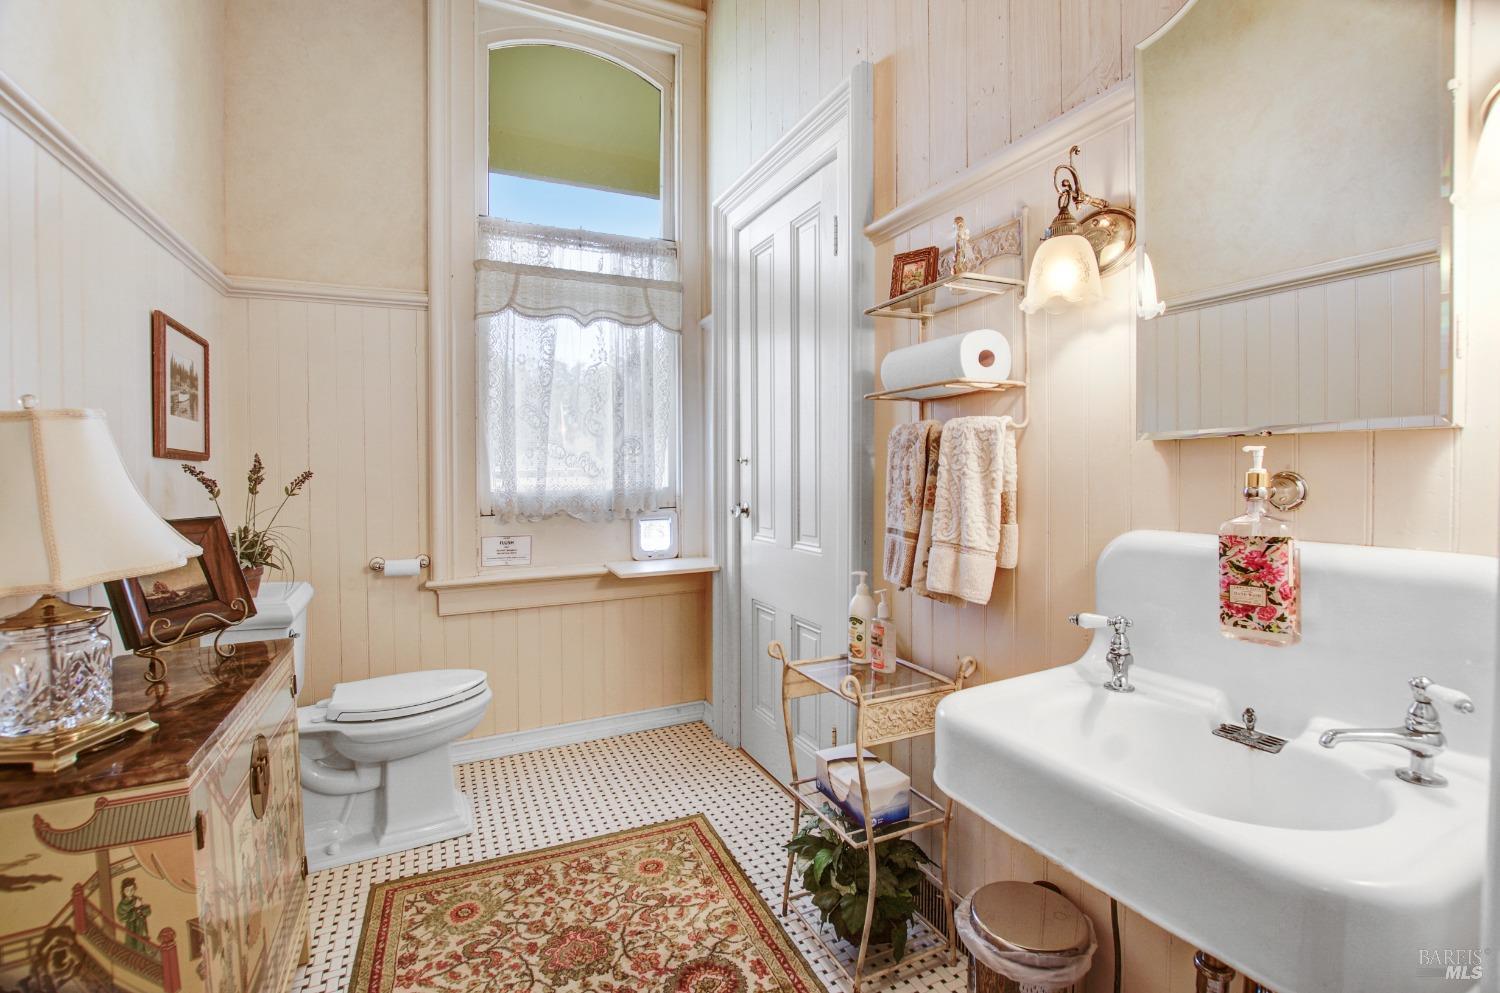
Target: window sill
[[630, 569], [551, 586]]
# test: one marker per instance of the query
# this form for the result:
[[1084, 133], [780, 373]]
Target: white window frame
[[657, 67], [458, 192], [654, 63]]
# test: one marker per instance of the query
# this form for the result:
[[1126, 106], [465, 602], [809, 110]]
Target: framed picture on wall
[[179, 391], [914, 270]]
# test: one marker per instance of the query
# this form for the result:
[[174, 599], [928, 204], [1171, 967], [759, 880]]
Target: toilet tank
[[280, 612]]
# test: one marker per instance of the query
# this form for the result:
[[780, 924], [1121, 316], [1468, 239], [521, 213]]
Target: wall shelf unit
[[946, 389], [948, 293], [953, 291]]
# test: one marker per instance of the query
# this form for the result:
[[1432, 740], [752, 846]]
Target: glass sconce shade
[[1147, 304], [1064, 273], [54, 676]]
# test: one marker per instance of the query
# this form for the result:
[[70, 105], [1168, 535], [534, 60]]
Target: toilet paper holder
[[377, 564]]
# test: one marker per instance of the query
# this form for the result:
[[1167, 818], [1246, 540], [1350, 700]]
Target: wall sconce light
[[1147, 304], [1075, 253]]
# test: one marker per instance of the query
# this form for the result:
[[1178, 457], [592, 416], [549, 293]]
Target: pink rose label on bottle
[[1257, 584]]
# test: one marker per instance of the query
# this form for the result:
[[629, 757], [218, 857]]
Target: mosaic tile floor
[[543, 798]]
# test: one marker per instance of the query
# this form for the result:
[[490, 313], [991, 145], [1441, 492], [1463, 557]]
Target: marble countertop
[[197, 700]]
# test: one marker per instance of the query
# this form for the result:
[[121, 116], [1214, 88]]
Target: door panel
[[794, 428]]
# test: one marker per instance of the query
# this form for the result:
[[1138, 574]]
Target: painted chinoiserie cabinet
[[171, 861]]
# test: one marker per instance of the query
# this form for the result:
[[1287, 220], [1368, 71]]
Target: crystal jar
[[55, 669]]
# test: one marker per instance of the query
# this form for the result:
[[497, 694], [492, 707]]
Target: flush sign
[[505, 549]]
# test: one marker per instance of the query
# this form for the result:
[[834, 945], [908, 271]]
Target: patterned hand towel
[[924, 532], [974, 513], [905, 485]]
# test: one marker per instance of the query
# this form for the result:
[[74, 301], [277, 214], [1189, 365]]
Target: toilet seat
[[402, 694]]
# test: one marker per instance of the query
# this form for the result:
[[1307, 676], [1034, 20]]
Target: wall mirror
[[1294, 164]]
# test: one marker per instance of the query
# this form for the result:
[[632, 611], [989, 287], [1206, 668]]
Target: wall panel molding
[[1093, 117], [266, 288], [44, 129], [41, 127]]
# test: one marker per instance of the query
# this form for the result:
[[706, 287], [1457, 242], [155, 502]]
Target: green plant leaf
[[820, 864], [898, 940], [852, 912]]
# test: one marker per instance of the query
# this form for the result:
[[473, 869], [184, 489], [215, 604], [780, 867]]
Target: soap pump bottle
[[861, 610], [1260, 585], [878, 628]]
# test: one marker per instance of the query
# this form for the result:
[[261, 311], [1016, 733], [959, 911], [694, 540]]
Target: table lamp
[[72, 518]]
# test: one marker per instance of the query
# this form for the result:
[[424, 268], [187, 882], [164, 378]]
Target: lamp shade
[[73, 517], [1065, 272]]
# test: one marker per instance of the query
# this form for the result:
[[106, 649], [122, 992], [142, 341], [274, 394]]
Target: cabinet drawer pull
[[260, 776]]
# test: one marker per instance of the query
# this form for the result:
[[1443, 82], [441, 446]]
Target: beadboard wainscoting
[[310, 376], [78, 281], [341, 388], [964, 91]]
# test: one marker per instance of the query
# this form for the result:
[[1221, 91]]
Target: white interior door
[[793, 460]]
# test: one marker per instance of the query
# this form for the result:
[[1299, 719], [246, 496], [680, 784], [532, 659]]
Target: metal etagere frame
[[889, 706]]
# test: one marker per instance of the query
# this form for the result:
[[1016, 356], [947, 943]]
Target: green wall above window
[[567, 116]]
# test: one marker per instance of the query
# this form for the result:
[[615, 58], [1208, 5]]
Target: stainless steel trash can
[[1027, 921]]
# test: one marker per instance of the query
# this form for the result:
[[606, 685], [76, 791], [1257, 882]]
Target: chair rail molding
[[33, 120], [839, 128], [1110, 109], [18, 106]]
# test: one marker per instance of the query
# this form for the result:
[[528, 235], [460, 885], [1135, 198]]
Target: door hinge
[[834, 737], [835, 235], [294, 686], [200, 830], [304, 867]]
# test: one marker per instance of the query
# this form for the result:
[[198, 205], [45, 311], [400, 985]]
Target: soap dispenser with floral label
[[1260, 586]]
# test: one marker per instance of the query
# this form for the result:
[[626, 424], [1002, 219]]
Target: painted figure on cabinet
[[99, 874]]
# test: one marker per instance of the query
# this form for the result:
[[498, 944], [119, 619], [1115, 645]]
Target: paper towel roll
[[982, 354], [402, 567]]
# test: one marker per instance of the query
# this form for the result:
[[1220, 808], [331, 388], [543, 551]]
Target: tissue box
[[889, 787]]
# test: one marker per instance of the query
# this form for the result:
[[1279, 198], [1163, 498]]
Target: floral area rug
[[660, 908]]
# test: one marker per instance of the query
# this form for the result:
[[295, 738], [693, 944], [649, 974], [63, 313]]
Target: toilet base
[[328, 846]]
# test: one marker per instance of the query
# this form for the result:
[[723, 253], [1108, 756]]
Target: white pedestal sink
[[1313, 870]]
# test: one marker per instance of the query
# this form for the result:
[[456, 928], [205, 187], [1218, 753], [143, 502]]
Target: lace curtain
[[578, 348]]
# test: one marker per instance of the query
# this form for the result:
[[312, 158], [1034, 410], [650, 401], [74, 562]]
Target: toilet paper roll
[[982, 355], [403, 567]]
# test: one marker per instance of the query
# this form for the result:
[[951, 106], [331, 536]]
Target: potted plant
[[837, 875], [256, 545]]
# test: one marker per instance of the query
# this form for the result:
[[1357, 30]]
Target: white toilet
[[376, 772]]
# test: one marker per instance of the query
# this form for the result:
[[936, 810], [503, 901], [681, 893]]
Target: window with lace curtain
[[578, 304]]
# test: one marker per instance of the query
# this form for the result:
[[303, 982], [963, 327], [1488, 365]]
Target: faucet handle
[[1425, 692], [1119, 622]]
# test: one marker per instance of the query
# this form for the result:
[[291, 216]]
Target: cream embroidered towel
[[974, 509], [924, 531], [905, 486]]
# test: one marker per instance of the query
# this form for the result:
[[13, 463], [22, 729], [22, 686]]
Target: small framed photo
[[179, 391], [175, 604], [914, 270]]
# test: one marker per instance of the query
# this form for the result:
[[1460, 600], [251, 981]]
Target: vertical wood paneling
[[1084, 478], [1035, 66]]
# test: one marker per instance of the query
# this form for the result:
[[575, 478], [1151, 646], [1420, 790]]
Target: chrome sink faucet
[[1422, 735], [1119, 655]]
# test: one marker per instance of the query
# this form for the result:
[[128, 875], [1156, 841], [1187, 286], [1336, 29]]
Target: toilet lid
[[403, 694]]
